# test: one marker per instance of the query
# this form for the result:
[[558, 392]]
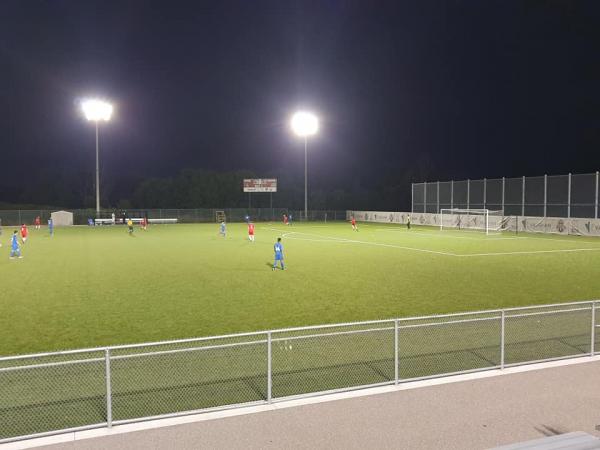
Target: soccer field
[[89, 287]]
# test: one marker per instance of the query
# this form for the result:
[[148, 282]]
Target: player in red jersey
[[38, 223], [24, 233], [285, 219], [144, 223], [251, 232], [353, 222]]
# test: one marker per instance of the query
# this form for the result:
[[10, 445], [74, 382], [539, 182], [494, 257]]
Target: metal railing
[[52, 393]]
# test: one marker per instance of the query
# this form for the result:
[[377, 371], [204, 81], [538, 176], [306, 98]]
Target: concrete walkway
[[475, 414]]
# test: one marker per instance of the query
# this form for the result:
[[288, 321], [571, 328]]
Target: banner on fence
[[531, 224]]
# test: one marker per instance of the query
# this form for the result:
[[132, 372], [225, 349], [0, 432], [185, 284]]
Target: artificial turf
[[91, 287]]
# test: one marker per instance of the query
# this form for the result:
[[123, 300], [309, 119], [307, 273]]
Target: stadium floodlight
[[305, 124], [96, 110]]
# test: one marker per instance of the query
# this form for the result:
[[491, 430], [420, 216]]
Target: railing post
[[269, 369], [396, 361], [425, 197], [451, 194], [593, 343], [502, 342], [108, 389], [412, 198]]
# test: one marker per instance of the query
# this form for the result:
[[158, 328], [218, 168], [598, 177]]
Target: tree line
[[199, 188]]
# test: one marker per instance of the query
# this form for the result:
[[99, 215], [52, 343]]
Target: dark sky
[[442, 88]]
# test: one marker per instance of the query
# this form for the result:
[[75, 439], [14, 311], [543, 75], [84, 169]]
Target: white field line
[[354, 241], [416, 249], [449, 236], [533, 252]]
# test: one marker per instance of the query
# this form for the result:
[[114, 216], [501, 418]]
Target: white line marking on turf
[[284, 404], [532, 252], [460, 255], [449, 236], [377, 244]]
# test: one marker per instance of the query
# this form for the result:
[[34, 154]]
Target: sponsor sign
[[260, 185]]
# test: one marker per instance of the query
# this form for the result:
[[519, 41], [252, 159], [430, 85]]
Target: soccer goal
[[220, 216], [482, 220]]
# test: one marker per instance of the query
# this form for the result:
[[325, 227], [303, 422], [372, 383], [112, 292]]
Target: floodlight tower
[[96, 110], [305, 124]]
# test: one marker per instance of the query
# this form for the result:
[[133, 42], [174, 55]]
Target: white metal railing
[[55, 392]]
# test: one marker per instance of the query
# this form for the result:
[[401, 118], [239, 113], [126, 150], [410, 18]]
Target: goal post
[[483, 220]]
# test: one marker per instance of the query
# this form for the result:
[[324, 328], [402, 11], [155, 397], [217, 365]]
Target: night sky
[[439, 89]]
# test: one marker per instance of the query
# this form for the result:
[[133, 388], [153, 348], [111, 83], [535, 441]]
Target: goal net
[[482, 220]]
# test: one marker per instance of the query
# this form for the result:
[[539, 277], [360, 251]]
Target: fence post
[[569, 198], [502, 342], [396, 361], [468, 194], [484, 193], [503, 183], [108, 388], [438, 198], [269, 369], [593, 343], [451, 194], [412, 198], [596, 202], [425, 197], [523, 198], [545, 195]]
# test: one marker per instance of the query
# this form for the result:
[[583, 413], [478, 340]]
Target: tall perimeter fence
[[51, 393], [198, 215], [572, 195]]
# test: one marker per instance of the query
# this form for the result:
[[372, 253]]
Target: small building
[[62, 218]]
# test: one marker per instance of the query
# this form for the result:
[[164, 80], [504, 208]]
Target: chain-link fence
[[82, 216], [50, 393], [544, 196]]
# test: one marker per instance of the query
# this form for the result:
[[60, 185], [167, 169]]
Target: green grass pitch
[[93, 287], [90, 287]]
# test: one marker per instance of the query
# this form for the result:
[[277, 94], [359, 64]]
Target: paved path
[[466, 415]]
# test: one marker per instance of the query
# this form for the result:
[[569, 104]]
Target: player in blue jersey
[[15, 249], [290, 219], [278, 247], [51, 226], [223, 229]]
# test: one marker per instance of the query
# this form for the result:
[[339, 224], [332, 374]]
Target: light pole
[[305, 124], [96, 110]]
